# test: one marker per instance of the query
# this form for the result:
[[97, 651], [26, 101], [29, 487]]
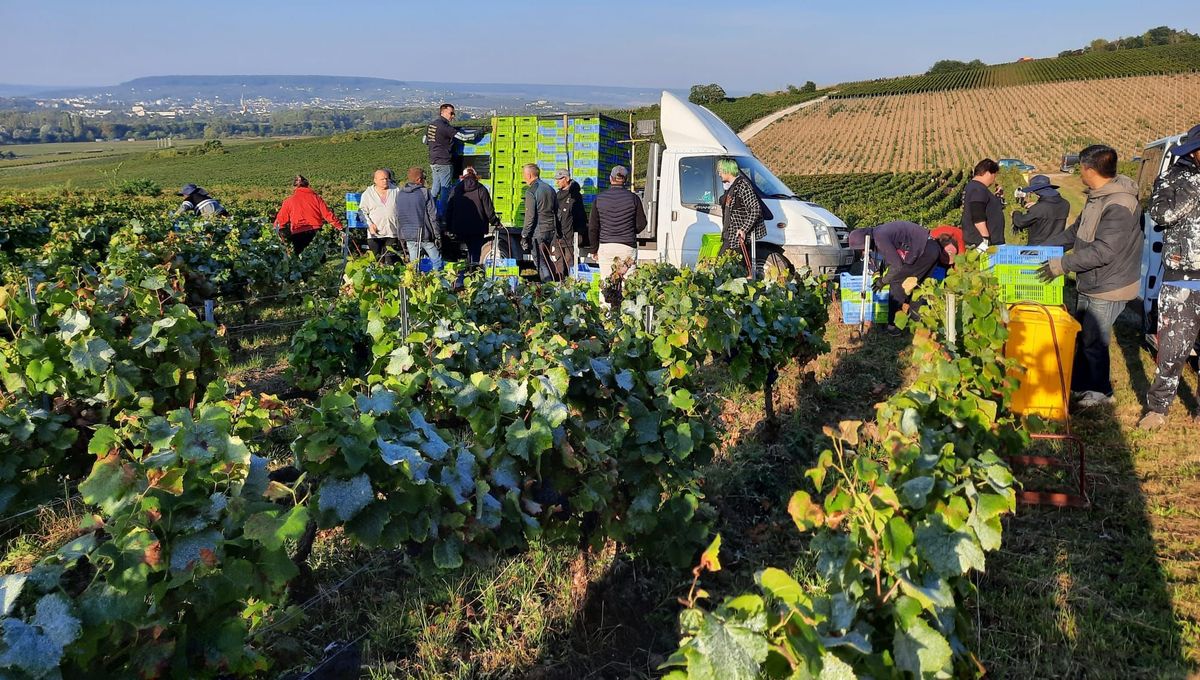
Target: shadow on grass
[[1082, 593], [626, 624]]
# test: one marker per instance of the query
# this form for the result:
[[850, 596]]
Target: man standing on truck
[[1175, 207], [440, 136], [572, 218], [983, 211], [741, 211], [541, 220], [617, 218], [1047, 217], [1105, 246]]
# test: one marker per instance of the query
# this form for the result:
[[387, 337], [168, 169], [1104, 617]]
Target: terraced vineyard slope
[[1164, 59], [954, 129]]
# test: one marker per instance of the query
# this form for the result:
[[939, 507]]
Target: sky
[[743, 45]]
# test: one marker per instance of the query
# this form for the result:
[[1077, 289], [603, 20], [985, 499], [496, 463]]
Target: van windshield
[[768, 184]]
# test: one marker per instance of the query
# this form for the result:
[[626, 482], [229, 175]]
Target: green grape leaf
[[513, 395], [922, 651], [273, 527], [915, 491], [345, 498], [735, 651], [833, 668], [92, 355], [72, 323], [447, 553], [951, 553]]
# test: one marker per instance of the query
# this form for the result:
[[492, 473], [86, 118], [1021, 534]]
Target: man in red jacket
[[305, 213]]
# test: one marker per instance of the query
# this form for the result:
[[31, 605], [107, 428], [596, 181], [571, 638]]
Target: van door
[[698, 210]]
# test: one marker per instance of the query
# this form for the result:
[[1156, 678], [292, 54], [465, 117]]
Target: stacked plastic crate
[[856, 302], [595, 148], [1016, 267]]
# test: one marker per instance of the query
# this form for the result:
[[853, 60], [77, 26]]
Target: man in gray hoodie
[[418, 219], [1105, 246]]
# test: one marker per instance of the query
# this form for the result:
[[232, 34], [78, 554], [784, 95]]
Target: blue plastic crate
[[588, 164], [1018, 254], [585, 146]]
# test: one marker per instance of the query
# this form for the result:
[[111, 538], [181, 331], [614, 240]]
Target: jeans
[[431, 251], [540, 251], [1178, 327], [1091, 369], [443, 181]]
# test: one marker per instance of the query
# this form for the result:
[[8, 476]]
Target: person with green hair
[[741, 209]]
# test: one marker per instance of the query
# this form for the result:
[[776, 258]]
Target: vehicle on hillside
[[1015, 164], [1156, 159], [1069, 162], [681, 196]]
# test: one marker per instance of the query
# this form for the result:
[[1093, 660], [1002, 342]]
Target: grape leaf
[[53, 615], [381, 401], [447, 553], [922, 651], [72, 323], [273, 527], [951, 553], [92, 355], [189, 550], [10, 589], [394, 453], [345, 498], [734, 650]]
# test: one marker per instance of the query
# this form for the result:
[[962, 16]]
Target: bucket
[[1031, 343]]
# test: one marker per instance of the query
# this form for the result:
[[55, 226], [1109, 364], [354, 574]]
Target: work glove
[[983, 246], [1051, 270], [526, 246]]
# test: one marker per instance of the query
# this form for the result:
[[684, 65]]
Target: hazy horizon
[[764, 45]]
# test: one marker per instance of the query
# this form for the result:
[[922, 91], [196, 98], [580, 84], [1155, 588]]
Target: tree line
[[1160, 35], [44, 126]]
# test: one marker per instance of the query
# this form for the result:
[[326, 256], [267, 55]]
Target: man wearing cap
[[572, 218], [470, 213], [541, 220], [616, 219], [196, 201], [911, 252], [1048, 216], [1105, 246], [1175, 207]]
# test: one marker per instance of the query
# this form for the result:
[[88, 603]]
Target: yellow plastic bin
[[1031, 343]]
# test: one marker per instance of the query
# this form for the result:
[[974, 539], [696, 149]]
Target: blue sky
[[749, 45]]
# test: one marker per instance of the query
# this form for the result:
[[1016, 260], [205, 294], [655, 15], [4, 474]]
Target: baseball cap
[[618, 171], [561, 173]]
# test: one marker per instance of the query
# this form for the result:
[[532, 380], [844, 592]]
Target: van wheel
[[485, 253], [772, 264]]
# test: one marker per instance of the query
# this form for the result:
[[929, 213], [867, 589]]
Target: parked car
[[1069, 161], [1016, 163]]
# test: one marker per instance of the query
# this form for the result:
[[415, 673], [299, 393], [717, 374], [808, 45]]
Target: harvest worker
[[377, 209], [440, 136], [302, 215], [470, 212], [741, 210], [197, 202], [1048, 216], [418, 220], [616, 218], [572, 217], [910, 253], [541, 220], [1105, 246], [1175, 207], [983, 211]]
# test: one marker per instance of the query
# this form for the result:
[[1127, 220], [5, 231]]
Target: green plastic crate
[[1020, 283], [710, 245]]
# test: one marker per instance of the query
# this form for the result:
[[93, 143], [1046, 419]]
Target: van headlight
[[823, 232]]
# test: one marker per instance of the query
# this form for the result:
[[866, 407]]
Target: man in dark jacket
[[741, 210], [541, 220], [572, 217], [418, 219], [440, 136], [616, 219], [1175, 207], [470, 212], [1105, 246], [1048, 216], [983, 210], [910, 252]]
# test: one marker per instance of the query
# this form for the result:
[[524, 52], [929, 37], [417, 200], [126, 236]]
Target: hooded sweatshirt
[[417, 213], [469, 211], [1045, 218], [1105, 243]]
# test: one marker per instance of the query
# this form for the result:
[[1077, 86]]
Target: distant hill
[[286, 91]]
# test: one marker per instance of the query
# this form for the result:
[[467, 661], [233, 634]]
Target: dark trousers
[[474, 248], [541, 258], [1091, 370], [386, 249], [301, 240], [1178, 328], [920, 270]]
